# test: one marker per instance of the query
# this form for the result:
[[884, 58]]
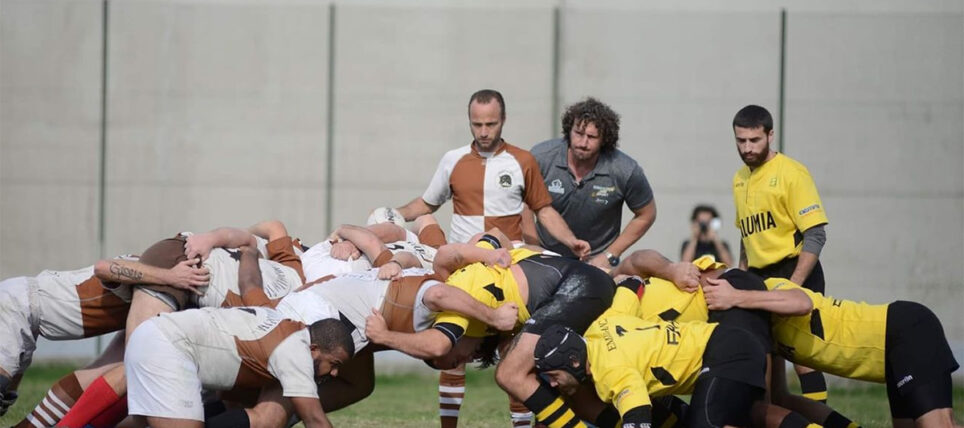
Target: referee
[[780, 217]]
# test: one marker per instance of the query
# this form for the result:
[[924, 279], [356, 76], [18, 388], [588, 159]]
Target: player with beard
[[780, 217]]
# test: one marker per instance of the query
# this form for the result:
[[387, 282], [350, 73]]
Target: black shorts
[[734, 354], [719, 402], [565, 292], [754, 321], [918, 362], [784, 269]]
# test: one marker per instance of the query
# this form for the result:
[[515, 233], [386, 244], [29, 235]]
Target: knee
[[267, 415]]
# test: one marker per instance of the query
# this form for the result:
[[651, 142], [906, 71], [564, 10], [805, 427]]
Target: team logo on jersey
[[811, 208], [773, 182], [556, 187], [600, 193], [757, 223], [505, 179]]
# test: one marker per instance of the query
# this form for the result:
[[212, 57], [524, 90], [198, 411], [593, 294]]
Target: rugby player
[[629, 360], [547, 290], [172, 357], [68, 305], [901, 344]]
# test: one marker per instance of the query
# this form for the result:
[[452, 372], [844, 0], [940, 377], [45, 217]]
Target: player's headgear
[[386, 215], [559, 348]]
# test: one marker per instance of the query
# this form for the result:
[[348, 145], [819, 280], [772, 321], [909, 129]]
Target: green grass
[[410, 401]]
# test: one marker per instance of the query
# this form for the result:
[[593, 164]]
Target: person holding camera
[[704, 237]]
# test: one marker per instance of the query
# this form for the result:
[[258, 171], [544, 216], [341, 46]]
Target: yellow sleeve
[[780, 284], [625, 302], [624, 387], [453, 318], [804, 203]]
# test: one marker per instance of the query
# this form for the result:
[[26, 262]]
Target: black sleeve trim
[[451, 331], [639, 417]]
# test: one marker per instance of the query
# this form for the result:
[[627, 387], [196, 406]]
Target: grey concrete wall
[[217, 114]]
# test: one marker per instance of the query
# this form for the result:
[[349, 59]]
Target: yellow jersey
[[840, 337], [631, 359], [775, 204], [491, 285], [662, 300]]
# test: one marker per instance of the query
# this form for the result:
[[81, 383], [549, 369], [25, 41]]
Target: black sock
[[836, 420], [233, 418], [814, 386], [608, 418], [794, 420]]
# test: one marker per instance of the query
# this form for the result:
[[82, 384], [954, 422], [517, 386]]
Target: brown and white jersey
[[277, 279], [424, 253], [487, 190], [75, 304], [354, 295], [245, 347], [318, 263]]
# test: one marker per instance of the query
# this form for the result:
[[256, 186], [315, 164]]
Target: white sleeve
[[438, 190], [291, 364]]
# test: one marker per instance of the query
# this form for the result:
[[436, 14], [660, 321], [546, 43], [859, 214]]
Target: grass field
[[410, 401]]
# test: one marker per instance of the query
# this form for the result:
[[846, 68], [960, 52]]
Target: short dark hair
[[753, 116], [593, 111], [330, 334], [701, 208], [486, 96], [488, 355]]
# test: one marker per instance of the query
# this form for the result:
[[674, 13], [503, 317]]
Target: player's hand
[[505, 317], [186, 276], [390, 270], [601, 261], [686, 276], [499, 257], [345, 250], [199, 246], [580, 248], [375, 326], [720, 295]]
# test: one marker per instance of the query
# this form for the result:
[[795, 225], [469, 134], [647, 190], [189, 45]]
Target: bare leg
[[156, 422], [516, 376]]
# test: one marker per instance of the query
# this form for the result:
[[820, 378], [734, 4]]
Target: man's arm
[[647, 263], [557, 227], [184, 275], [310, 411], [250, 283], [415, 208], [452, 257], [425, 344], [720, 296], [446, 298], [814, 239], [363, 239], [642, 220], [200, 245], [529, 234], [269, 229], [744, 265]]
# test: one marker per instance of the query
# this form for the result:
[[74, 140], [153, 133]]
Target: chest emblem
[[556, 187], [505, 179]]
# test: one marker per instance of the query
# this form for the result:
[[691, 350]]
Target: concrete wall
[[217, 113]]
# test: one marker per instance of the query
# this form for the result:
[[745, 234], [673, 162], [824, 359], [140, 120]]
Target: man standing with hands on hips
[[589, 180], [780, 217]]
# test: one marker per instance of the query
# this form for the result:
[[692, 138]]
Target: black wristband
[[638, 417], [491, 240]]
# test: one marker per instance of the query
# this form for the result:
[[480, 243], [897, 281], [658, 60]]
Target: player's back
[[232, 347], [667, 355], [662, 300], [841, 337], [277, 280], [75, 304]]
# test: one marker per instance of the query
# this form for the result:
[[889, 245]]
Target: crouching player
[[901, 344], [630, 360], [170, 358]]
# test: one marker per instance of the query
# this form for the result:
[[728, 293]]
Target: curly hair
[[593, 111]]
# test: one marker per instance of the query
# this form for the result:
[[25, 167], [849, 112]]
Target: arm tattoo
[[119, 272]]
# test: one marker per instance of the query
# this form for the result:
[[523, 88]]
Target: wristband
[[491, 240], [396, 262]]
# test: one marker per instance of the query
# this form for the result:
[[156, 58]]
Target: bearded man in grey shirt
[[589, 179]]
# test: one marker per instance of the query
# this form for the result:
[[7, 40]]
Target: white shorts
[[18, 335], [162, 381]]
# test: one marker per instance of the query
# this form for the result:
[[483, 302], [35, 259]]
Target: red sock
[[99, 396], [112, 416]]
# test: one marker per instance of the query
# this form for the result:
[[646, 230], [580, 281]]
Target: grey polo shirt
[[594, 208]]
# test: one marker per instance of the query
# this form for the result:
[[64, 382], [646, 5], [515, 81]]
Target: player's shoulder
[[791, 165], [452, 156], [741, 175], [621, 162], [522, 156], [548, 147]]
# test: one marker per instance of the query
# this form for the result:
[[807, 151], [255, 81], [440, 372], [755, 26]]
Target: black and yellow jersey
[[491, 285], [840, 337], [631, 359], [775, 203], [662, 300]]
